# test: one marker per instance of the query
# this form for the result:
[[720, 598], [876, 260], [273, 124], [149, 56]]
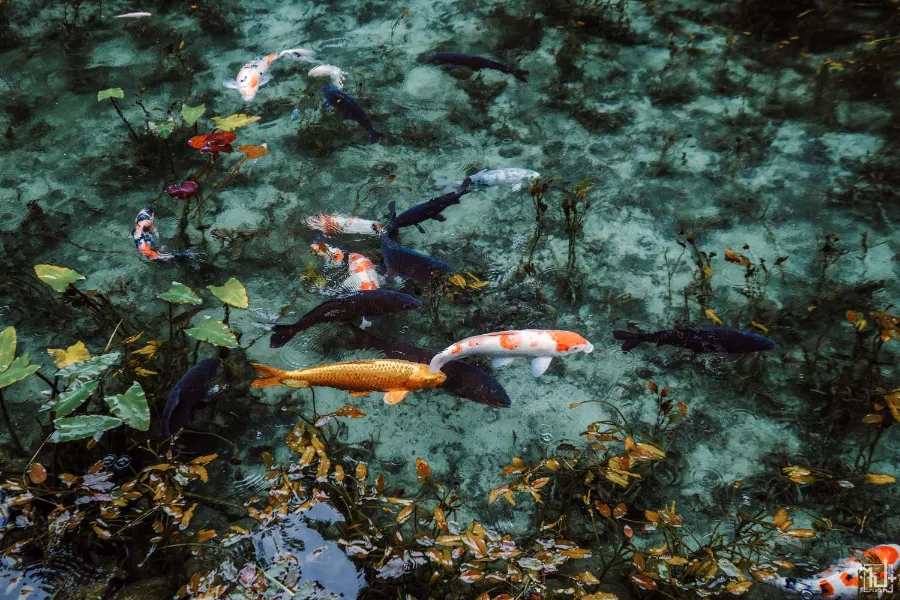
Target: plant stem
[[124, 120]]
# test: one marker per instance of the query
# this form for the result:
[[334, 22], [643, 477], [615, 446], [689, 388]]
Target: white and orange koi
[[842, 581], [363, 275], [332, 224], [541, 345], [255, 73]]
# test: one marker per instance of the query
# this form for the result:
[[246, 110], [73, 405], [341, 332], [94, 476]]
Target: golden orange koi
[[359, 377]]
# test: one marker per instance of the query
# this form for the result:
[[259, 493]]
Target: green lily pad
[[163, 128], [214, 332], [110, 93], [233, 293], [180, 294], [83, 426], [90, 369], [7, 347], [72, 399], [59, 278], [191, 114], [131, 407]]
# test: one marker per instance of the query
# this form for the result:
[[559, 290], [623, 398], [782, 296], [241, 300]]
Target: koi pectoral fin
[[539, 365], [395, 396], [501, 361], [230, 84], [265, 78]]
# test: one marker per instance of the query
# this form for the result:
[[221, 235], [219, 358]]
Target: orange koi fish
[[541, 345], [255, 73], [332, 224], [359, 377], [363, 275], [842, 581]]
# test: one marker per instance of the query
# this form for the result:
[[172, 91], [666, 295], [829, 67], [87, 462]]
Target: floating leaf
[[7, 347], [73, 354], [404, 515], [350, 411], [131, 407], [37, 473], [59, 278], [83, 426], [232, 292], [180, 294], [423, 471], [191, 114], [588, 578], [162, 128], [714, 317], [213, 332], [733, 257], [12, 369], [252, 151], [90, 369], [110, 93], [232, 122], [72, 399], [880, 479]]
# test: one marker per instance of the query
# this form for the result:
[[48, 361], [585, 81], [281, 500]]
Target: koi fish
[[476, 63], [335, 75], [190, 390], [541, 345], [363, 275], [359, 377], [729, 341], [145, 239], [512, 176], [425, 211], [133, 15], [255, 73], [463, 379], [347, 307], [841, 581], [406, 262], [332, 224], [347, 107]]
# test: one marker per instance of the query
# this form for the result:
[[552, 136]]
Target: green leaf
[[110, 93], [191, 114], [180, 294], [232, 122], [17, 371], [90, 369], [233, 293], [83, 426], [59, 278], [214, 332], [131, 407], [163, 128], [7, 347], [72, 399]]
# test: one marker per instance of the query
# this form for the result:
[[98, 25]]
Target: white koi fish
[[512, 176], [332, 224], [335, 75], [842, 581], [255, 73], [134, 15], [541, 345]]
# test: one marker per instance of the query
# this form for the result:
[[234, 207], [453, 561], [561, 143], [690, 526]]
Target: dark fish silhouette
[[406, 262], [463, 380], [431, 209], [347, 107], [729, 341], [347, 307], [476, 63], [191, 389]]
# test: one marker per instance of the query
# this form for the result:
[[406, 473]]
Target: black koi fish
[[406, 262], [463, 380], [347, 107], [347, 307], [476, 63], [191, 389], [431, 209], [728, 341]]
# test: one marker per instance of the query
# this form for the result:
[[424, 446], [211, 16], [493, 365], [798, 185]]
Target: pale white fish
[[255, 73], [133, 15], [335, 75], [510, 176]]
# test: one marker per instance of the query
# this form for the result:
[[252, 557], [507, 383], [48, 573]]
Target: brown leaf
[[800, 533], [780, 519], [37, 473], [350, 411], [439, 519], [204, 535], [361, 471], [619, 511], [187, 516], [587, 577], [404, 515], [423, 471], [642, 581], [880, 479], [738, 587], [202, 460], [604, 510], [253, 151], [653, 387]]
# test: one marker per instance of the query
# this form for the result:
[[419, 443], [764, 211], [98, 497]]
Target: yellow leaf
[[361, 471], [73, 354], [760, 326], [202, 460], [714, 317], [423, 471], [879, 479], [404, 515], [233, 122], [587, 577], [780, 520], [738, 587], [142, 372], [600, 596], [204, 535], [707, 270]]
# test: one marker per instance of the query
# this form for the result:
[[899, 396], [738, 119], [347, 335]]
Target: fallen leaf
[[351, 412], [204, 535], [880, 479], [75, 353], [253, 152], [232, 122], [714, 317], [37, 473], [423, 471]]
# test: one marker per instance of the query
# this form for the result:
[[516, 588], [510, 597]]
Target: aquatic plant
[[537, 189], [573, 217], [111, 94], [8, 35]]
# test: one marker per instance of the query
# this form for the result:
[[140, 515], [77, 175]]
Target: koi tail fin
[[299, 54], [629, 339], [282, 334], [374, 136], [266, 376], [464, 186], [520, 74]]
